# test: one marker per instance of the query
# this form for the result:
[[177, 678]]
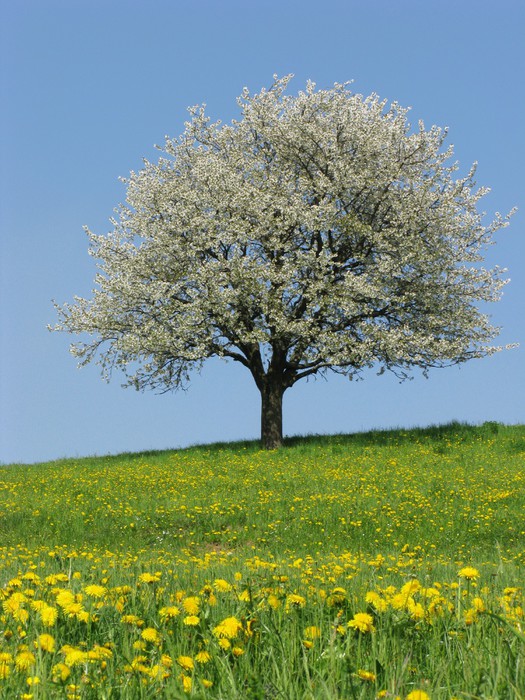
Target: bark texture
[[272, 416]]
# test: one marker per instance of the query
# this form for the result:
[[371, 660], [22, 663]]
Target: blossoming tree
[[319, 232]]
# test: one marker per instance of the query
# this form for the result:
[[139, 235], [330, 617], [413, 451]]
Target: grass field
[[378, 565]]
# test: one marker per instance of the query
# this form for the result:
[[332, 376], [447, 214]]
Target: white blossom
[[316, 232]]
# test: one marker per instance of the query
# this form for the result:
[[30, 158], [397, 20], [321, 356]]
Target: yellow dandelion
[[158, 672], [60, 672], [399, 601], [81, 615], [203, 657], [418, 695], [186, 683], [273, 601], [336, 597], [5, 670], [94, 591], [295, 601], [150, 578], [237, 651], [312, 632], [191, 620], [169, 612], [48, 615], [138, 663], [65, 598], [478, 605], [221, 585], [366, 676], [21, 615], [469, 573], [411, 587], [132, 620], [166, 661], [373, 598], [228, 628], [46, 642], [75, 657], [206, 683], [14, 603], [186, 663], [24, 660], [416, 610], [362, 622], [99, 653], [150, 634], [191, 605], [470, 616]]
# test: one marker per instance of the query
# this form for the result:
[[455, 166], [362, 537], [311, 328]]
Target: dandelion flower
[[166, 661], [24, 660], [46, 642], [312, 632], [150, 634], [221, 585], [169, 612], [150, 578], [273, 601], [186, 663], [14, 603], [203, 657], [418, 695], [5, 670], [131, 620], [75, 657], [191, 605], [191, 620], [296, 601], [411, 587], [366, 675], [362, 622], [48, 615], [60, 672], [469, 573], [228, 628], [373, 598], [95, 591]]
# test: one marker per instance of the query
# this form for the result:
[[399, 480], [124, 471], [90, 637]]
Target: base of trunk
[[272, 418]]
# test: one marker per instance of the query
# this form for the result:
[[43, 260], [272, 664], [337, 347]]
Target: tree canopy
[[318, 232]]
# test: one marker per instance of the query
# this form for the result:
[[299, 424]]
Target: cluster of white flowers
[[318, 231]]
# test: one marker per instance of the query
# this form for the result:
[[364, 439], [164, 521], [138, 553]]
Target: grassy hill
[[363, 566]]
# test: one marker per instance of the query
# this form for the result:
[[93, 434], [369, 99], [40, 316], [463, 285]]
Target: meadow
[[376, 565]]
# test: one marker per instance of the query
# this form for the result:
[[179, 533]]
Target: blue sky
[[89, 86]]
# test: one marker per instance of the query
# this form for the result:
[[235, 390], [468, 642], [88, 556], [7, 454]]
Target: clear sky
[[89, 86]]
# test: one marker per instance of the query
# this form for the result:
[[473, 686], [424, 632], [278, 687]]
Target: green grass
[[242, 530]]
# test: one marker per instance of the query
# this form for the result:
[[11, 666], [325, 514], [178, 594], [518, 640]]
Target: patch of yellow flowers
[[57, 631]]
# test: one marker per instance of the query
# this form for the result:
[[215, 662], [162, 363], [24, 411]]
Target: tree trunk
[[272, 415]]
